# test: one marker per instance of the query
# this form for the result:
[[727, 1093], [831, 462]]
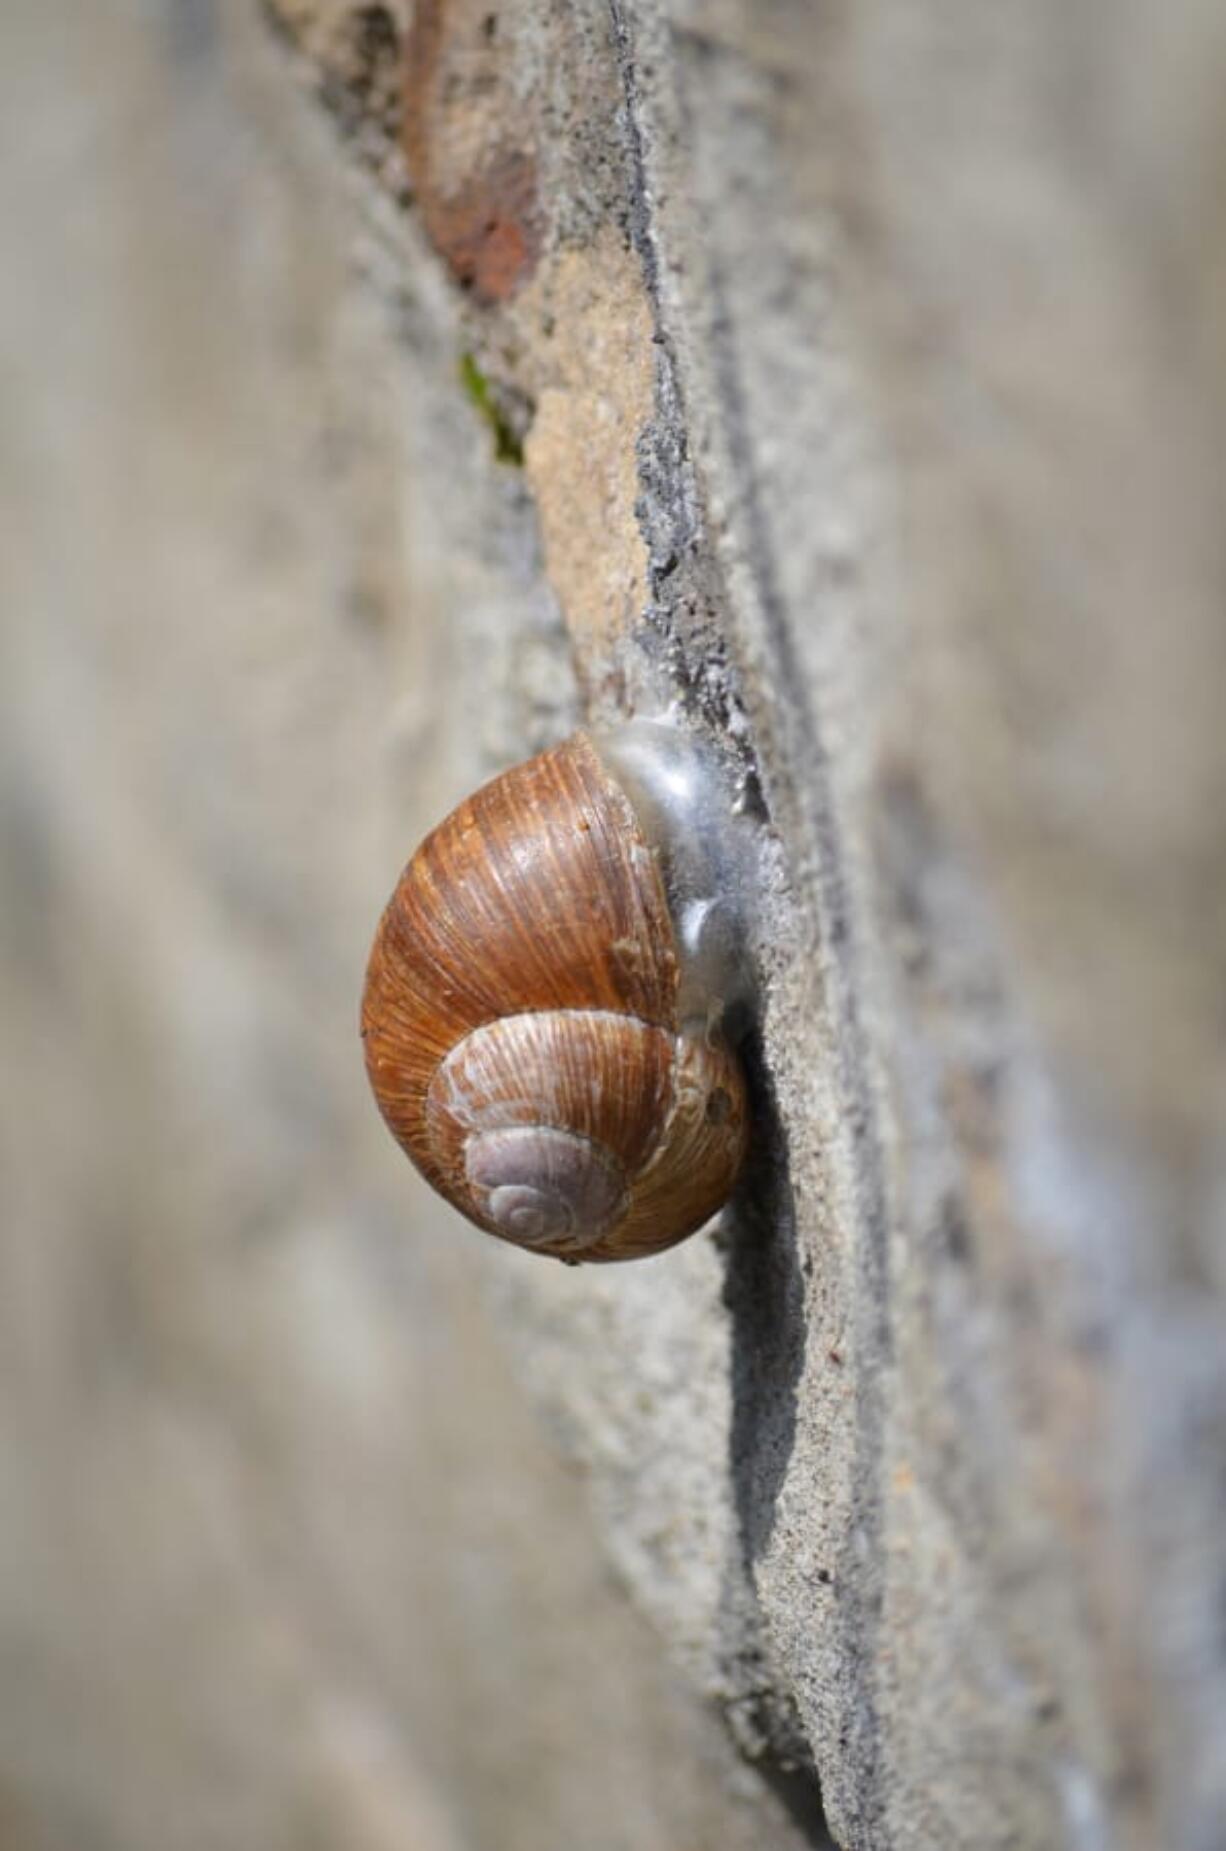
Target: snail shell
[[540, 1038]]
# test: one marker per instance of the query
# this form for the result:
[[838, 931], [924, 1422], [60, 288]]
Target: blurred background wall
[[866, 371]]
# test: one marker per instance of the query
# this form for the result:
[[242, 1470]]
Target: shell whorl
[[545, 1188], [521, 1023]]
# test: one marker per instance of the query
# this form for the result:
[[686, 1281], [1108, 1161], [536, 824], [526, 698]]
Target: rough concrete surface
[[286, 1561], [868, 367]]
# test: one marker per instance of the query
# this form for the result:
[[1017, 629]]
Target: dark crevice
[[799, 1791], [764, 1293], [681, 628]]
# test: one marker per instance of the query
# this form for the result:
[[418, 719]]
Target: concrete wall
[[866, 371]]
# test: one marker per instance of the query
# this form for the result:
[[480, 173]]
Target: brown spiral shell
[[520, 1022]]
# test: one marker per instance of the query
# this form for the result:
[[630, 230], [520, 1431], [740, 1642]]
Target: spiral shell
[[521, 1023]]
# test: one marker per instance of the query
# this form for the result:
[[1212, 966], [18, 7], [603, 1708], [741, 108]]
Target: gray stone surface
[[871, 371], [286, 1562]]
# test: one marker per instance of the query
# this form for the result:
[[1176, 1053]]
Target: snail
[[545, 1011]]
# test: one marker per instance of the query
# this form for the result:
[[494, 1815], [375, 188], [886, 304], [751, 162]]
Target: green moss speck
[[507, 447]]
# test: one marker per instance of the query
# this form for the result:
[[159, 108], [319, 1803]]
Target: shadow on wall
[[765, 1295]]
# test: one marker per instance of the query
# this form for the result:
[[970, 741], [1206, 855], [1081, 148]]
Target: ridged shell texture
[[520, 1023]]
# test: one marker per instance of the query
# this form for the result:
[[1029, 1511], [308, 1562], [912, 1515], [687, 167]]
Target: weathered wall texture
[[853, 382]]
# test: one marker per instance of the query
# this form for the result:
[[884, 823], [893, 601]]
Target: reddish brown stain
[[489, 233], [476, 187]]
